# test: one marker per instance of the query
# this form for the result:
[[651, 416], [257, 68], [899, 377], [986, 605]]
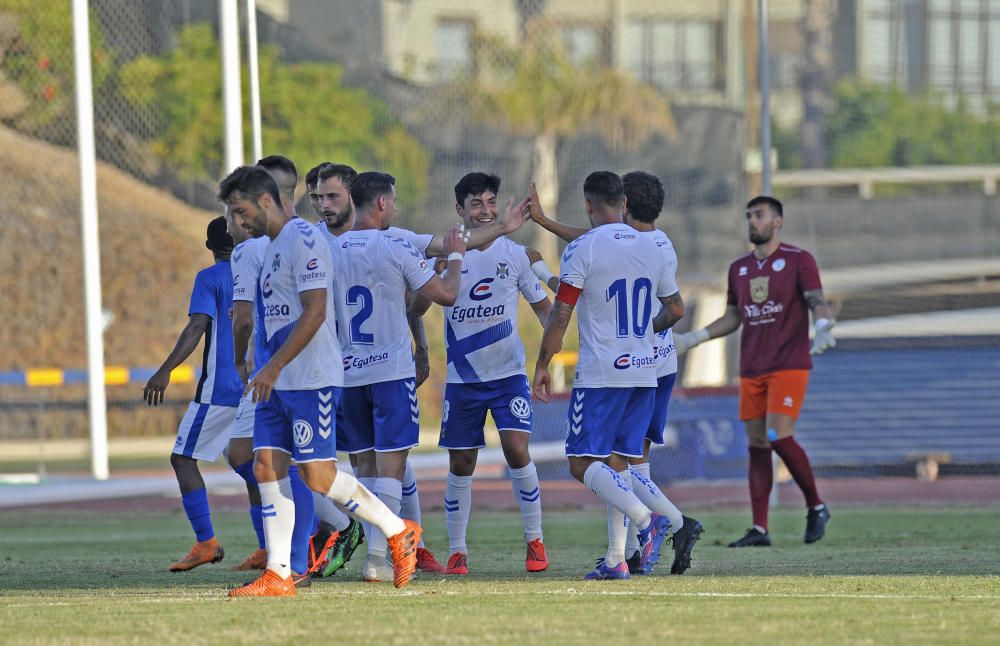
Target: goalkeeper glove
[[687, 340], [823, 336]]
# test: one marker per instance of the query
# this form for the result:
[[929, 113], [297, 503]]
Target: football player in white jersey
[[299, 386], [644, 196], [614, 272], [486, 373], [379, 407], [331, 194]]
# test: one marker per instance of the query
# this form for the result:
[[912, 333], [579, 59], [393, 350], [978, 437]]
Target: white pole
[[765, 98], [231, 102], [97, 404], [258, 145]]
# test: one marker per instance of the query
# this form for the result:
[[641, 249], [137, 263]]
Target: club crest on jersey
[[758, 289], [302, 432], [502, 270], [520, 407], [481, 290], [276, 263]]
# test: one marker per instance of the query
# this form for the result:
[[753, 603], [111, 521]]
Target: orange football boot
[[203, 552], [403, 547], [268, 585], [427, 563], [458, 563], [256, 561], [536, 560]]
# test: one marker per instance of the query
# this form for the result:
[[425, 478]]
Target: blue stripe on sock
[[199, 515]]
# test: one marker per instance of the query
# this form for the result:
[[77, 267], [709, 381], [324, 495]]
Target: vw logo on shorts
[[444, 411], [302, 432], [520, 407]]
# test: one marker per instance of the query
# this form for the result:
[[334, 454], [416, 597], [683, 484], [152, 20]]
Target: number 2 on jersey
[[642, 306], [360, 295]]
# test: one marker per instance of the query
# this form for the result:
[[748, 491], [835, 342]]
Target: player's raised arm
[[537, 214], [514, 216], [313, 315], [443, 290], [541, 270], [188, 340]]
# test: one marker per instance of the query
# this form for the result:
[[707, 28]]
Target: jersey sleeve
[[668, 272], [416, 270], [808, 276], [311, 265], [202, 296], [731, 296], [527, 282], [420, 241], [244, 277], [572, 269]]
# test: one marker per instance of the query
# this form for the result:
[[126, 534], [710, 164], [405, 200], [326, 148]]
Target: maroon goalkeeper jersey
[[768, 294]]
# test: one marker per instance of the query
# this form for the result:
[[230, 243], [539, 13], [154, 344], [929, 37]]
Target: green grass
[[881, 575]]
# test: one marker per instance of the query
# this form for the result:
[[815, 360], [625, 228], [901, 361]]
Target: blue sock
[[245, 471], [304, 512], [199, 515]]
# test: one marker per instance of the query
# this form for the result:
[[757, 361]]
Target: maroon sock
[[795, 458], [761, 477]]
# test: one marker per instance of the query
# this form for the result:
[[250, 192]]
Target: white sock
[[618, 527], [410, 509], [369, 484], [363, 504], [651, 496], [615, 490], [457, 507], [328, 512], [389, 491], [278, 510], [524, 482]]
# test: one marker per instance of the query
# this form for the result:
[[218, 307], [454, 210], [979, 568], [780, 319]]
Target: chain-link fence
[[884, 114]]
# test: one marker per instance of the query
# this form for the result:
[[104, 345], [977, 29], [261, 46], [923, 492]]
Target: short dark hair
[[770, 201], [285, 166], [476, 184], [248, 182], [369, 186], [644, 192], [343, 172], [604, 186], [217, 237], [313, 174]]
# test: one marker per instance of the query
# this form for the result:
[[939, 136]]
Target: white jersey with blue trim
[[419, 240], [481, 327], [374, 270], [247, 261], [666, 353], [297, 261], [620, 272]]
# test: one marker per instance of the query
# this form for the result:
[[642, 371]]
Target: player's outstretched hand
[[542, 384], [823, 337], [687, 340], [152, 394], [515, 215], [262, 384], [455, 240], [533, 256], [535, 208]]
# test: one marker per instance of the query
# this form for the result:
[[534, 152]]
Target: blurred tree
[[873, 125], [307, 114], [37, 56], [531, 88]]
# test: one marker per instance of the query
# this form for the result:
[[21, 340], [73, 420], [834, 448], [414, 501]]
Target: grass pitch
[[881, 575]]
